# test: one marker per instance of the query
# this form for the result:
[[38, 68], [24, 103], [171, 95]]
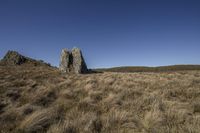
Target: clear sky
[[109, 32]]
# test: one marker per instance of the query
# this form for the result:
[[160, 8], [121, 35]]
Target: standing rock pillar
[[72, 61]]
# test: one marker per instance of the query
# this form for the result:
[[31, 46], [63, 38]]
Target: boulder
[[64, 60], [79, 64], [72, 61]]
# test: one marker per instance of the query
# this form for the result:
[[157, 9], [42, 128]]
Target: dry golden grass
[[41, 99]]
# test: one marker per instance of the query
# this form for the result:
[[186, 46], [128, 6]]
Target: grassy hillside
[[150, 69], [41, 99]]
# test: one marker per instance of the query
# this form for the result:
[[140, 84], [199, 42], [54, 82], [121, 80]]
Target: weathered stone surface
[[72, 61], [13, 58], [64, 60], [79, 64]]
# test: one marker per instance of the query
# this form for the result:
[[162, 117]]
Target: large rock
[[79, 64], [72, 61], [64, 60], [13, 58]]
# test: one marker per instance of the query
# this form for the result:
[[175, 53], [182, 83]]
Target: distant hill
[[149, 69]]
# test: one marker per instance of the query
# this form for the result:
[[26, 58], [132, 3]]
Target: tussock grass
[[41, 99], [38, 121]]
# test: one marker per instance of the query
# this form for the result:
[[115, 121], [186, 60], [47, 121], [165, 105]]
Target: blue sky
[[109, 32]]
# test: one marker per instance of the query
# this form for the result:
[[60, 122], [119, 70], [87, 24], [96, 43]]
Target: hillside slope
[[41, 99], [150, 69]]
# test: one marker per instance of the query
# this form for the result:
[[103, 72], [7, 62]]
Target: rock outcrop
[[65, 61], [13, 58], [72, 61]]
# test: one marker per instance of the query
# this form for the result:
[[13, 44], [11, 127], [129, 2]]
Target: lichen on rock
[[72, 61]]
